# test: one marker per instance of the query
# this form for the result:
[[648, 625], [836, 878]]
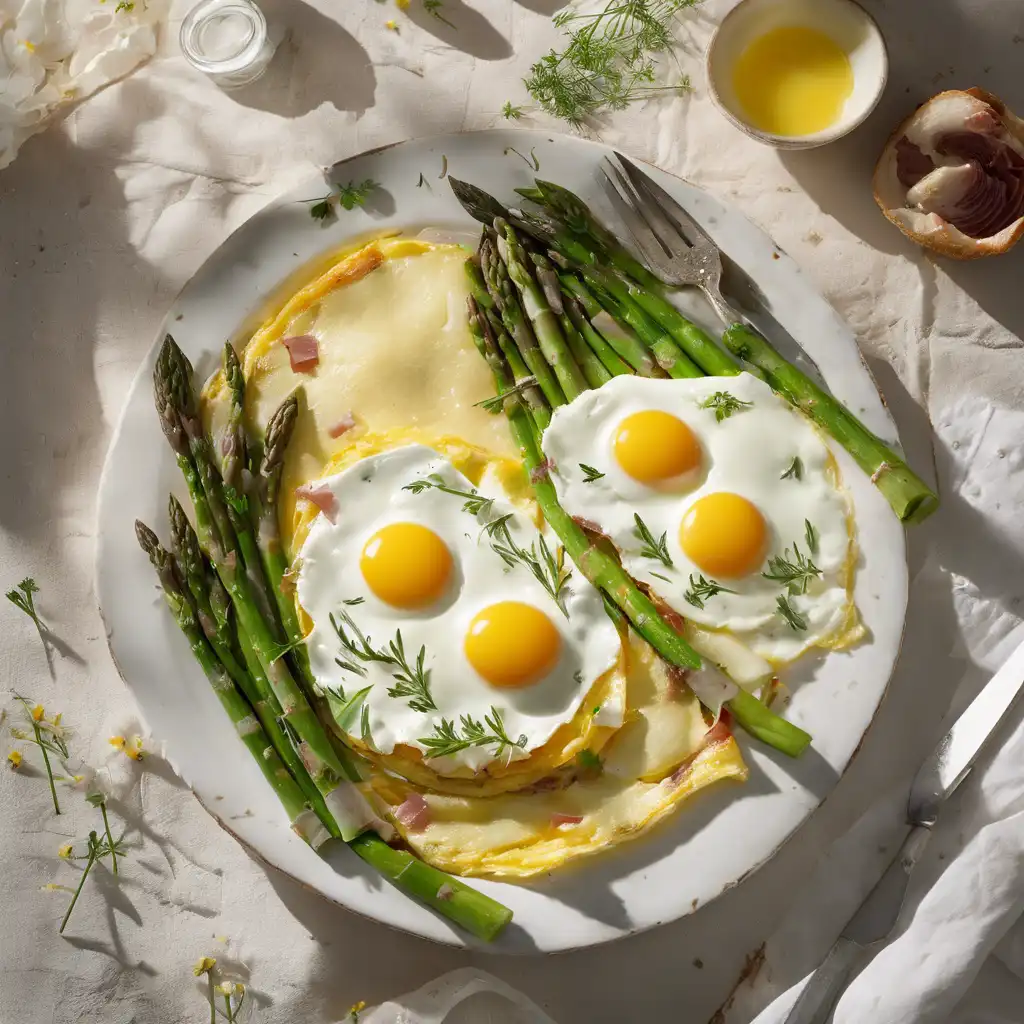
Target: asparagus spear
[[578, 218], [626, 345], [503, 292], [593, 369], [911, 499], [249, 729], [545, 324], [173, 392], [252, 681]]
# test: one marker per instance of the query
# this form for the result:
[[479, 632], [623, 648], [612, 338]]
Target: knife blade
[[938, 777]]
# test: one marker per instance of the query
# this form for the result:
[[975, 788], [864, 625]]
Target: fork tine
[[646, 240], [671, 239], [687, 227]]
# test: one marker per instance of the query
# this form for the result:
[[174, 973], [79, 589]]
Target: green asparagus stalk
[[478, 914], [911, 499], [173, 393], [593, 339], [626, 344], [248, 727], [593, 369], [577, 217], [534, 303], [503, 293], [251, 682]]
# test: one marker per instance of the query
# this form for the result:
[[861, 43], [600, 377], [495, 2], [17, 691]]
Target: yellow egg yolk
[[512, 644], [406, 565], [724, 535], [654, 446]]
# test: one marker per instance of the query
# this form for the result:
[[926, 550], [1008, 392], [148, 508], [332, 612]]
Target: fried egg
[[438, 622], [721, 498]]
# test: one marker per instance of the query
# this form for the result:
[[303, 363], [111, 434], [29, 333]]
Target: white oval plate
[[714, 840]]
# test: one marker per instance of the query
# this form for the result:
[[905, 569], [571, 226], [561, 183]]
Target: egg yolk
[[512, 644], [654, 446], [724, 535], [406, 565]]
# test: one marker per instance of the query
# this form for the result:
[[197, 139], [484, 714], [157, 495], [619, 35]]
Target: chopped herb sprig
[[547, 567], [724, 405], [652, 548], [794, 572], [411, 680], [23, 596], [590, 474], [347, 196], [795, 620], [475, 503], [448, 738], [701, 590], [795, 471]]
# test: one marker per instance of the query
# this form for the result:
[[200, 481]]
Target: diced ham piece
[[303, 352], [413, 813], [542, 471], [343, 426], [587, 524], [322, 496], [558, 819]]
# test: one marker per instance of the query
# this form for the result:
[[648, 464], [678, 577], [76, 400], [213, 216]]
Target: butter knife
[[938, 777]]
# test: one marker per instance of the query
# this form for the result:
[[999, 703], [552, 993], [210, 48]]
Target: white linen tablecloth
[[105, 216]]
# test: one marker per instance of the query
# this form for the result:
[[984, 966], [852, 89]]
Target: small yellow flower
[[38, 713], [14, 759], [117, 742], [391, 25], [355, 1009], [225, 988], [64, 852], [29, 45], [56, 718], [134, 749], [402, 5], [203, 966], [19, 734]]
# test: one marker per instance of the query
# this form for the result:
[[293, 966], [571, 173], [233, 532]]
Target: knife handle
[[819, 995]]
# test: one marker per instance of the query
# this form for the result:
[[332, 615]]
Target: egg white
[[748, 453], [370, 495]]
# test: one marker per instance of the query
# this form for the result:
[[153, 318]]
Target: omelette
[[504, 721]]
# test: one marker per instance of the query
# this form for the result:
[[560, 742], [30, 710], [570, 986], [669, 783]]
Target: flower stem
[[227, 1006], [93, 851], [213, 1005], [110, 838], [46, 761]]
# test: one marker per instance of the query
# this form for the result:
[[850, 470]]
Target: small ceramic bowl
[[845, 22]]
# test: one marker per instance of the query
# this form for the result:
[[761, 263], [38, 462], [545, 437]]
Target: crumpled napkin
[[57, 52], [466, 996]]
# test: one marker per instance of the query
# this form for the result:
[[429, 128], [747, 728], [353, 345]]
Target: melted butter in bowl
[[797, 73]]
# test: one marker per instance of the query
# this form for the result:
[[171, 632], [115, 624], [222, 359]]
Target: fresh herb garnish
[[795, 471], [345, 706], [610, 60], [548, 568], [724, 405], [531, 162], [446, 738], [811, 535], [423, 181], [658, 575], [23, 597], [412, 681], [589, 473], [347, 196], [474, 504], [511, 113], [794, 573], [496, 403], [701, 590], [796, 621], [652, 548]]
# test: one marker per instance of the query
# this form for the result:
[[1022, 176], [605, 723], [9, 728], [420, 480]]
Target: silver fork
[[675, 246]]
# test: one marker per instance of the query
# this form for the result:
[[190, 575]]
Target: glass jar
[[227, 40]]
